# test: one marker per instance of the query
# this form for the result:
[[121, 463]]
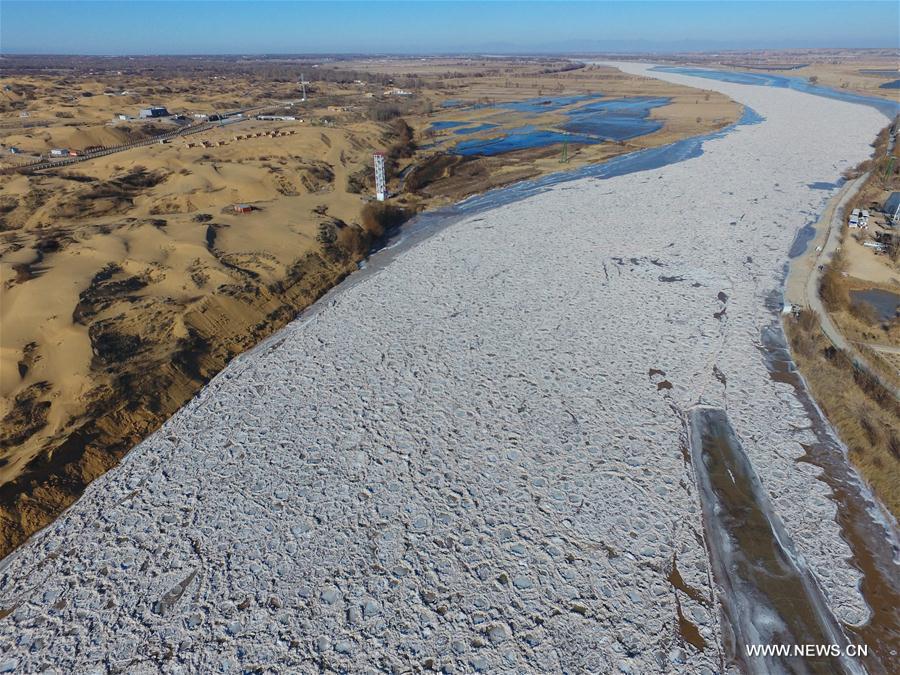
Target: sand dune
[[473, 458], [128, 280], [131, 276]]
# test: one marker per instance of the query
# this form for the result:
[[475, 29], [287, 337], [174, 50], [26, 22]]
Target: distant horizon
[[241, 28], [448, 54]]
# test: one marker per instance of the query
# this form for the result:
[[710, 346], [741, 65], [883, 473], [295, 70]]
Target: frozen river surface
[[475, 459]]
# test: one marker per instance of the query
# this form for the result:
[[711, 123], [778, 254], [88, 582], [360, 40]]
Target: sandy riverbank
[[475, 458]]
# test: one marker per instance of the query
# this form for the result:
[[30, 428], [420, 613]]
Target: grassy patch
[[865, 415]]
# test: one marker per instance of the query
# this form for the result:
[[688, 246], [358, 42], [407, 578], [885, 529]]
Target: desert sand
[[128, 281], [473, 458]]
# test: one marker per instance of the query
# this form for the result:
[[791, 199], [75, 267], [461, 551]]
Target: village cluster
[[860, 219], [205, 143]]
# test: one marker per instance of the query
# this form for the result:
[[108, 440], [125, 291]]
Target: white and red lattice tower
[[380, 188]]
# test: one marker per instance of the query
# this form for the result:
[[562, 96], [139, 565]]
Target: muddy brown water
[[867, 529], [769, 597]]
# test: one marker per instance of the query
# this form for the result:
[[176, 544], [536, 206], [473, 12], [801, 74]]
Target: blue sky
[[242, 27]]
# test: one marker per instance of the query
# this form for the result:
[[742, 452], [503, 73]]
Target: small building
[[153, 111], [59, 152], [13, 150], [242, 208], [891, 208]]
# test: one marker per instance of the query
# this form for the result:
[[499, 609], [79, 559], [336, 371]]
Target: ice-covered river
[[474, 456]]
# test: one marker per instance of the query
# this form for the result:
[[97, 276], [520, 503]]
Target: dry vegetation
[[859, 268], [858, 70], [128, 280], [866, 416]]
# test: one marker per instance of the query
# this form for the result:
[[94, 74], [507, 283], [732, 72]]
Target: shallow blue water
[[890, 85], [592, 123], [466, 127], [521, 138], [617, 119], [889, 108], [633, 162], [478, 127], [547, 103], [446, 124]]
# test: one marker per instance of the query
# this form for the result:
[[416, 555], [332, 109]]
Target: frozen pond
[[885, 303], [473, 456]]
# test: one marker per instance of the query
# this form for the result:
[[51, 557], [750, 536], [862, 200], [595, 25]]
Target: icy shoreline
[[472, 459]]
